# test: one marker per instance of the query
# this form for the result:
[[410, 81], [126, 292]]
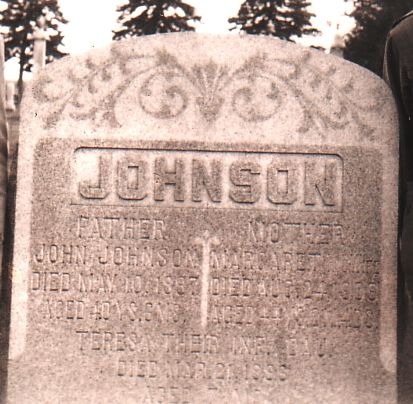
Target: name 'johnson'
[[297, 181]]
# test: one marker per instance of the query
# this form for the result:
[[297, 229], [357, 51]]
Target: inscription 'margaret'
[[287, 181]]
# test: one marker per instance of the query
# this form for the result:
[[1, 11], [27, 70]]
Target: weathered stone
[[205, 219]]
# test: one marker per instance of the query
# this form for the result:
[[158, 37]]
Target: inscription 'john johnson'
[[204, 179]]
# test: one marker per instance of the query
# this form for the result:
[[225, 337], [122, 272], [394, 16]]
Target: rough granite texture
[[205, 219]]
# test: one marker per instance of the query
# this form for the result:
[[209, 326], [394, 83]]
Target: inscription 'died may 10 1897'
[[169, 265]]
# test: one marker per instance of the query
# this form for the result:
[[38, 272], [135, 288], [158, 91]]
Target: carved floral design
[[254, 91]]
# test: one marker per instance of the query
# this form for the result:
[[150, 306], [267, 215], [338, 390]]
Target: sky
[[79, 36], [91, 22]]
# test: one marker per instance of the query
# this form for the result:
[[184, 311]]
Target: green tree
[[286, 19], [374, 19], [18, 22], [140, 17]]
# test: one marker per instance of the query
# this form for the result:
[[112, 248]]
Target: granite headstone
[[205, 219]]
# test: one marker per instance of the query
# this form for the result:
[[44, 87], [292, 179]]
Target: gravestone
[[205, 219]]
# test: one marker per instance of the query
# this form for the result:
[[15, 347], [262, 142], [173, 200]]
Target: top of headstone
[[223, 88]]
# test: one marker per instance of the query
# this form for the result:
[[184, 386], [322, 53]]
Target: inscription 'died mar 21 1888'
[[209, 232]]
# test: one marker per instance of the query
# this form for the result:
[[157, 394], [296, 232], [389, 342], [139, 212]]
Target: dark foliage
[[140, 17], [285, 19], [18, 22], [374, 18]]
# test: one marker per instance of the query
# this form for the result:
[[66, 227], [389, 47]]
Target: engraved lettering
[[282, 183], [173, 178], [131, 181], [243, 176], [101, 189], [267, 180], [212, 183], [320, 183]]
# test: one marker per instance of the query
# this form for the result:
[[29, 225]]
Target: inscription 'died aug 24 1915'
[[214, 260]]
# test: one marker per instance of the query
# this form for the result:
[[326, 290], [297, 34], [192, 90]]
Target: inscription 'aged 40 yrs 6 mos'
[[212, 231]]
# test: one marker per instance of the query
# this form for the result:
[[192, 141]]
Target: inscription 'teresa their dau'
[[260, 180]]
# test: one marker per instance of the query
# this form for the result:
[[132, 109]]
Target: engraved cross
[[206, 241]]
